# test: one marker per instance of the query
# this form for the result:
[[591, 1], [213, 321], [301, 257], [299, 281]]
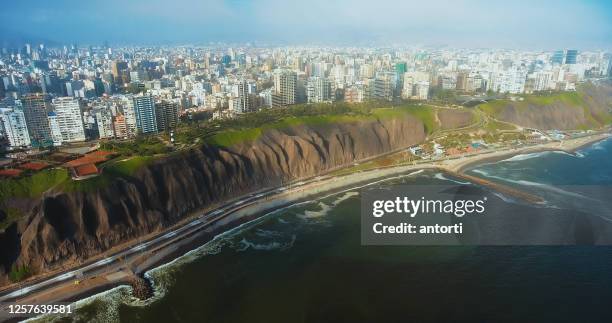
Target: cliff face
[[589, 107], [554, 116], [62, 227], [451, 119]]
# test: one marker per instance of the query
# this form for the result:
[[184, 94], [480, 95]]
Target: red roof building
[[35, 166], [85, 170], [10, 172]]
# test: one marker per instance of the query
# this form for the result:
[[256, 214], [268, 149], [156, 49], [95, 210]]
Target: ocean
[[306, 264]]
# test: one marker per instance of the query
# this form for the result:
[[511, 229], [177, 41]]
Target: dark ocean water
[[306, 264]]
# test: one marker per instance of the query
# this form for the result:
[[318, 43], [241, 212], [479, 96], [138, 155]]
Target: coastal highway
[[117, 260]]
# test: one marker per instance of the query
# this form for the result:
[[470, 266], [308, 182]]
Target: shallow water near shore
[[306, 264]]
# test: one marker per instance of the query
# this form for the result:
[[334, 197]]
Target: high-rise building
[[14, 128], [104, 121], [243, 102], [567, 56], [119, 126], [382, 88], [69, 119], [557, 57], [129, 113], [570, 56], [121, 72], [462, 81], [285, 88], [401, 68], [35, 110], [56, 134], [167, 113], [421, 90], [354, 94], [144, 109], [318, 90]]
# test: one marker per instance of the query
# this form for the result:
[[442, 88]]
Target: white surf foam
[[273, 245], [441, 176]]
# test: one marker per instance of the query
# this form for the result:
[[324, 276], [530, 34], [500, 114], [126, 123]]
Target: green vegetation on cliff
[[19, 273], [583, 109], [572, 99], [32, 186], [249, 127], [27, 187]]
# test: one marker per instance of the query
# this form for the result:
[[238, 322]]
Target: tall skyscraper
[[35, 111], [14, 128], [144, 108], [285, 88], [69, 119]]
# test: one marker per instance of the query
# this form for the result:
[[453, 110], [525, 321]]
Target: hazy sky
[[536, 24]]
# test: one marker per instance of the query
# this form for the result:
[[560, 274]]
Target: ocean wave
[[344, 197], [562, 152], [416, 172], [441, 177], [533, 184], [503, 197], [600, 145], [312, 214], [106, 308], [267, 233], [481, 172], [273, 245], [522, 157]]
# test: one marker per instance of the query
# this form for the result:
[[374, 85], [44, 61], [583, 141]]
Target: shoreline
[[329, 186], [569, 146]]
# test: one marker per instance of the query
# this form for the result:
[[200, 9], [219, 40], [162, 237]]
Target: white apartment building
[[69, 119], [13, 127]]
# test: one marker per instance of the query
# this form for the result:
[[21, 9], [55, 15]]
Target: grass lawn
[[32, 186], [127, 167]]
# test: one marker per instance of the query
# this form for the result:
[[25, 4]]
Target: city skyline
[[522, 25]]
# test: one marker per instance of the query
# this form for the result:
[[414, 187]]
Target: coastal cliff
[[587, 108], [63, 227]]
